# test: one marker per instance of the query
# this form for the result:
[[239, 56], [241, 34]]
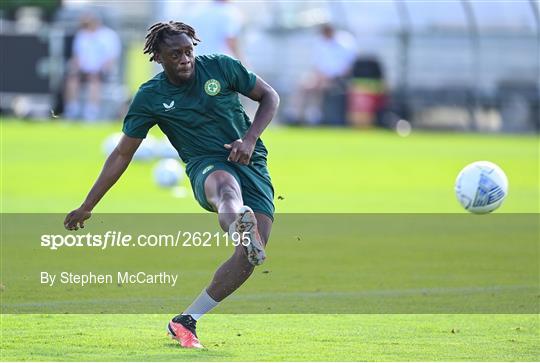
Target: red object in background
[[366, 92], [365, 98]]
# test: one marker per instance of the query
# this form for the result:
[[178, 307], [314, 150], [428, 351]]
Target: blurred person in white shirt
[[218, 25], [96, 50], [333, 54]]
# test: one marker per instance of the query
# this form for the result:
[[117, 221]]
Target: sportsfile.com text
[[121, 239]]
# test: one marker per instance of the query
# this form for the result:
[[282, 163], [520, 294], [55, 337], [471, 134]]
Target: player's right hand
[[75, 219], [241, 151]]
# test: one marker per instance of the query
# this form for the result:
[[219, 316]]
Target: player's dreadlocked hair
[[157, 32]]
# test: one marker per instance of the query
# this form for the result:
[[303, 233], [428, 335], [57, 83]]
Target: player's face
[[177, 57]]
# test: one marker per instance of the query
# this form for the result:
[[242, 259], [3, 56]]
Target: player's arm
[[268, 99], [113, 168]]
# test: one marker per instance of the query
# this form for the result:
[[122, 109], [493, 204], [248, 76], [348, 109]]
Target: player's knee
[[221, 186], [228, 193]]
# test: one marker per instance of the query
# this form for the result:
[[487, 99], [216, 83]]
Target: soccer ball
[[164, 149], [168, 173], [145, 151], [481, 187]]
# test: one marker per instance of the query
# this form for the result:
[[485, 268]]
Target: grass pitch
[[49, 167], [274, 338]]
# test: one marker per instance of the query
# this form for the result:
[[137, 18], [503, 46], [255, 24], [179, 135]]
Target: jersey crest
[[212, 87]]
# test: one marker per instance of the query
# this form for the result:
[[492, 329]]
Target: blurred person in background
[[219, 24], [96, 50], [332, 57]]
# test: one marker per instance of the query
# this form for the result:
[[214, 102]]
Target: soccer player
[[194, 101]]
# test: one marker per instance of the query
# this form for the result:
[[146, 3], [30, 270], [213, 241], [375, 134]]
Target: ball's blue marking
[[488, 192]]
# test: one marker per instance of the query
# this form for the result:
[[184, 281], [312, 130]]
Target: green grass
[[275, 338], [49, 167]]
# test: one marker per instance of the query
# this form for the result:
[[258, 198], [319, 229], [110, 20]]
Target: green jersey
[[199, 116]]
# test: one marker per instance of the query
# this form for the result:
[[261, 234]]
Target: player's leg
[[237, 269], [265, 226], [224, 195], [227, 278]]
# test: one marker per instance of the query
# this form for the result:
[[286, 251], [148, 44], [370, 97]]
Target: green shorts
[[254, 180]]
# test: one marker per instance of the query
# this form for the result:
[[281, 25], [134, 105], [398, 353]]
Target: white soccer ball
[[147, 149], [168, 173], [164, 149], [481, 187]]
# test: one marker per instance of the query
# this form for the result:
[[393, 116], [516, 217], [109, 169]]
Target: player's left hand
[[241, 151]]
